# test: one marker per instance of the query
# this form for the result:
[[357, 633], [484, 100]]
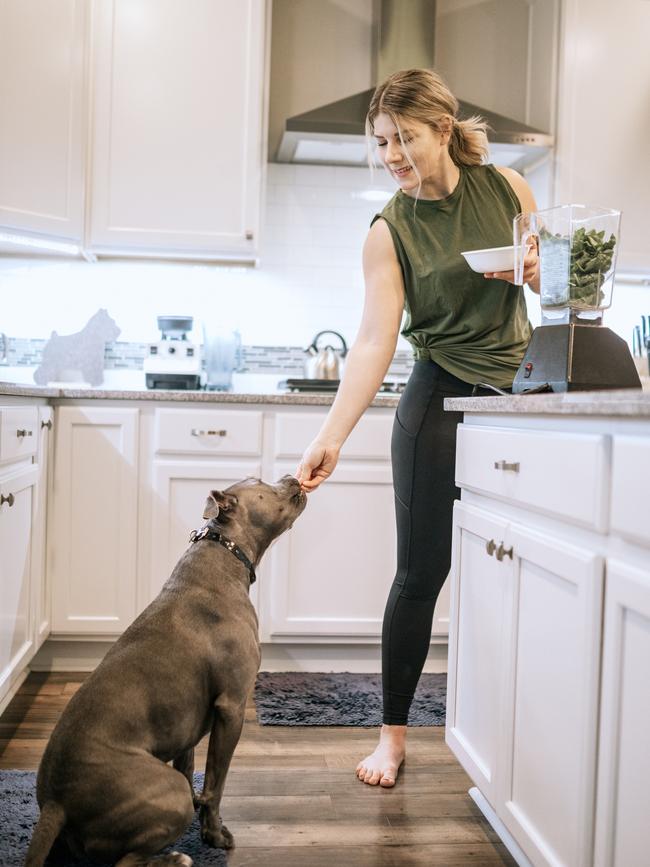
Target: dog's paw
[[179, 858], [218, 838]]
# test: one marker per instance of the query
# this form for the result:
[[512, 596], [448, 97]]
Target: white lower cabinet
[[24, 596], [548, 696], [180, 489], [16, 619], [622, 827], [552, 665], [481, 610], [41, 590], [523, 663], [94, 520], [330, 575], [130, 484]]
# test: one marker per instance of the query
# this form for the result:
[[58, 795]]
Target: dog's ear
[[219, 504]]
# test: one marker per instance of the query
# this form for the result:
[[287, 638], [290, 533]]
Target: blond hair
[[421, 95]]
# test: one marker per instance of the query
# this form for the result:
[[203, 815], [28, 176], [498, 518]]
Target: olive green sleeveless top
[[476, 329]]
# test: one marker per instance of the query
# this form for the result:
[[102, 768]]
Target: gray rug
[[19, 812], [308, 699]]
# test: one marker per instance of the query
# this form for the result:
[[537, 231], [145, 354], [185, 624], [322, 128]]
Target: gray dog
[[184, 668]]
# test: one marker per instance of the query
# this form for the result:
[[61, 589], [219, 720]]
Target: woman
[[465, 328]]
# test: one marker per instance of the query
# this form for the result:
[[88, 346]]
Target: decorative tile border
[[255, 359]]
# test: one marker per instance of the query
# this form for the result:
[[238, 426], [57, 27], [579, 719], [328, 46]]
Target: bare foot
[[381, 767]]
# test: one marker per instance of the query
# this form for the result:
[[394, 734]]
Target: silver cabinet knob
[[490, 547], [504, 465], [47, 424], [10, 500], [23, 432], [503, 552], [208, 433]]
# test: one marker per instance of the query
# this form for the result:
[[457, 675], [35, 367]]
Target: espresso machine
[[572, 350]]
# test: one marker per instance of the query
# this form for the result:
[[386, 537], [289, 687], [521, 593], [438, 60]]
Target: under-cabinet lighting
[[42, 244]]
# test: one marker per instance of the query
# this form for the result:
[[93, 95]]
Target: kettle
[[325, 362]]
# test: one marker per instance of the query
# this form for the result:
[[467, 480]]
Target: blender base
[[575, 358]]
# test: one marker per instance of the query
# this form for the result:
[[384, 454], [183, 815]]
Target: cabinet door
[[178, 98], [330, 575], [551, 702], [92, 544], [41, 116], [41, 597], [481, 594], [16, 635], [180, 489], [601, 168], [622, 828]]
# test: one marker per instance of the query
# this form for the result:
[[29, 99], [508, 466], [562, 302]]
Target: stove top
[[330, 385]]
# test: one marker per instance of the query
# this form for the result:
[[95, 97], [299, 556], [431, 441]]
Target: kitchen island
[[548, 695]]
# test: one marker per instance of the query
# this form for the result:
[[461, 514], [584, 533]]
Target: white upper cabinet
[[133, 127], [603, 118], [41, 117], [177, 127]]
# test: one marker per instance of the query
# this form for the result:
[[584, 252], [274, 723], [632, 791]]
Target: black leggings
[[423, 451]]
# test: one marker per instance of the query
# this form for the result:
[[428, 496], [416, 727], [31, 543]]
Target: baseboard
[[67, 655], [61, 655], [13, 689], [506, 837], [357, 658]]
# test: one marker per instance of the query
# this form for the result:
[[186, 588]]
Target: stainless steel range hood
[[334, 134]]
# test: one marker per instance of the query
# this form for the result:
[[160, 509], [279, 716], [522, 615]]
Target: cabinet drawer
[[631, 488], [370, 439], [559, 474], [208, 432], [18, 432]]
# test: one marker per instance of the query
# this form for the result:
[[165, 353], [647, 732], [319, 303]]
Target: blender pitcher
[[577, 247], [222, 354], [572, 350]]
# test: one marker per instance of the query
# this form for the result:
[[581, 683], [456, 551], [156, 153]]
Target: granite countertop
[[625, 402], [251, 388], [247, 388], [22, 389]]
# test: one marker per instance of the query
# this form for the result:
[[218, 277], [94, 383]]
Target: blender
[[572, 350], [173, 362]]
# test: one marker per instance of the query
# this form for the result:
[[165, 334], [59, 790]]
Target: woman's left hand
[[531, 270]]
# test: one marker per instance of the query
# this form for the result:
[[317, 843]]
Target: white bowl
[[492, 259]]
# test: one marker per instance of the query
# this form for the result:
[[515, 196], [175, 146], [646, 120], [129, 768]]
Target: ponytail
[[468, 145]]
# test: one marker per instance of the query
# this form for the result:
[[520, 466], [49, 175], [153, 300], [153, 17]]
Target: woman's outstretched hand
[[317, 464]]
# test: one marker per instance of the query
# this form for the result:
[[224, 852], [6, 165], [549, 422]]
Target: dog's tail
[[48, 827]]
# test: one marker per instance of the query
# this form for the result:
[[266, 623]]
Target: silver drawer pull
[[490, 547], [47, 424], [503, 552], [10, 499], [504, 465], [23, 432], [208, 433]]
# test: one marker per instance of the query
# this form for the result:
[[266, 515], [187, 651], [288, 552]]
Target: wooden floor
[[292, 798]]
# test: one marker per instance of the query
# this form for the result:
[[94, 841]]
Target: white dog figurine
[[82, 351]]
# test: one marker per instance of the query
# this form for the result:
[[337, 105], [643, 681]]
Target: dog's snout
[[289, 481]]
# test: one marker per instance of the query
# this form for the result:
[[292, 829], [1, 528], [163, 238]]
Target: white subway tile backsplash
[[315, 221]]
